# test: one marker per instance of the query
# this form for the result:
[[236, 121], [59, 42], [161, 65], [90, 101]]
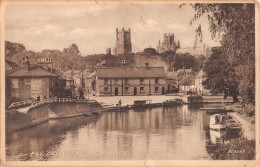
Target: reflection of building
[[168, 43], [123, 42], [130, 81]]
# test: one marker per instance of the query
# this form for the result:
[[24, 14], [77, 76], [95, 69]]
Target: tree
[[150, 51], [221, 75], [234, 24]]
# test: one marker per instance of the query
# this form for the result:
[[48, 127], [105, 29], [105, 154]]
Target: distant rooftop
[[32, 71], [130, 72]]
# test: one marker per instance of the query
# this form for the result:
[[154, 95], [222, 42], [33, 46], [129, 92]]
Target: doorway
[[163, 90], [135, 91], [116, 91]]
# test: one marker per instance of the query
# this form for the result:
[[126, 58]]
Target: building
[[187, 83], [31, 81], [108, 51], [114, 81], [196, 51], [174, 77], [74, 75], [90, 83], [10, 66], [168, 43], [200, 77], [123, 42]]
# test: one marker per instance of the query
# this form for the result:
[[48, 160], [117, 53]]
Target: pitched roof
[[33, 71], [187, 80], [201, 74], [92, 74], [12, 64], [129, 72]]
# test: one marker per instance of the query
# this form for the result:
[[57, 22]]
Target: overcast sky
[[92, 27]]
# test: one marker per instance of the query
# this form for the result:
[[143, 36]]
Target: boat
[[218, 122], [140, 104], [232, 124], [216, 110], [174, 102]]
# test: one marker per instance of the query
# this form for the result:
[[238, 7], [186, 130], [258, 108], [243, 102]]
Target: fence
[[34, 103]]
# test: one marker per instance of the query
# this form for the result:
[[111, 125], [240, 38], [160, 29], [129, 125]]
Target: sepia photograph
[[103, 82]]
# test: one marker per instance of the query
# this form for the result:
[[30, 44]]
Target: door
[[116, 91], [163, 90], [135, 91]]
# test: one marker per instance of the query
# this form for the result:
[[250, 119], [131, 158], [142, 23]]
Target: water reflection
[[173, 133]]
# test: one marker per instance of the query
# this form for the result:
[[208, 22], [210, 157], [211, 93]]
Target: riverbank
[[21, 119], [247, 122], [129, 100]]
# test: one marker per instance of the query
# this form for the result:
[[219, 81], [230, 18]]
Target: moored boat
[[174, 102], [217, 122]]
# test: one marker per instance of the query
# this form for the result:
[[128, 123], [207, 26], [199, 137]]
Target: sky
[[92, 27]]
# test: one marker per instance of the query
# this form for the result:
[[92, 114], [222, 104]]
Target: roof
[[187, 80], [34, 70], [70, 72], [201, 74], [130, 72], [12, 64], [92, 74]]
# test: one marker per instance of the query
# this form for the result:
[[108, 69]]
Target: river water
[[175, 133]]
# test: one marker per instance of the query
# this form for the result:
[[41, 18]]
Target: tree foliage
[[150, 51], [221, 75], [234, 24]]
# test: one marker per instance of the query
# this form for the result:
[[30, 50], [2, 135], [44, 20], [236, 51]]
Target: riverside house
[[130, 81], [200, 77], [32, 80]]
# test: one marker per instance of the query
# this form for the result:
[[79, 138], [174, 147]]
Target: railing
[[51, 100], [22, 103]]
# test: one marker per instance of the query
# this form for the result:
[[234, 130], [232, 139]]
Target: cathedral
[[168, 44], [123, 42]]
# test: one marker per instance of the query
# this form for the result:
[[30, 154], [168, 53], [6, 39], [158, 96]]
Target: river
[[175, 133]]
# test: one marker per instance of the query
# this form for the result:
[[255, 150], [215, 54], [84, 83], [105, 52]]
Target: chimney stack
[[123, 63], [146, 63], [184, 71], [26, 62]]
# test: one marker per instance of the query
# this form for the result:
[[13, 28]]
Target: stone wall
[[16, 120]]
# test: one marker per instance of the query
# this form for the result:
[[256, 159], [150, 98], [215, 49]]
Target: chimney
[[26, 62], [123, 63], [146, 63], [184, 71], [103, 63]]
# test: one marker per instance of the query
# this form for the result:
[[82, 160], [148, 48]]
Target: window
[[14, 83], [126, 81], [156, 89], [106, 89], [27, 81], [105, 81], [141, 81], [156, 80], [141, 89], [126, 89]]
